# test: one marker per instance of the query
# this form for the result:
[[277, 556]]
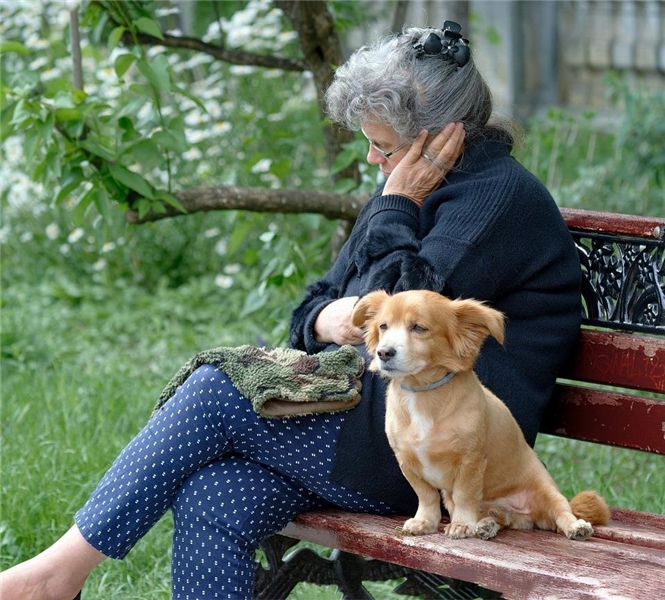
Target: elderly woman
[[462, 221]]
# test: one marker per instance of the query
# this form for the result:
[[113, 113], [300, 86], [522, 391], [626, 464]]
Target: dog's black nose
[[385, 354]]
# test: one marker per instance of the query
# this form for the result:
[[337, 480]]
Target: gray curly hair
[[385, 82]]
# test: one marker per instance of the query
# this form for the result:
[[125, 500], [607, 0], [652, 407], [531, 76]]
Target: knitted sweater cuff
[[312, 346], [384, 207]]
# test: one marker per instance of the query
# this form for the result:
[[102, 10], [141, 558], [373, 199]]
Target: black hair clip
[[452, 47]]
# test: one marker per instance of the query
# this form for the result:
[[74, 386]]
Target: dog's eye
[[383, 326], [418, 328]]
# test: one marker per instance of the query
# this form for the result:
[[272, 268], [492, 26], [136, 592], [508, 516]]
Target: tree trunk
[[399, 16], [77, 63], [321, 48]]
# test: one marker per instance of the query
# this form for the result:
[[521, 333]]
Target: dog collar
[[431, 386]]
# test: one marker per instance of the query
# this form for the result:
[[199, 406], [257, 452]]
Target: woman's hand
[[422, 170], [333, 325]]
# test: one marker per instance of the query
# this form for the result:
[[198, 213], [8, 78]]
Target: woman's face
[[385, 147]]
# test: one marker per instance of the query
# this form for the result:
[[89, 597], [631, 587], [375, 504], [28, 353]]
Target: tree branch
[[234, 57], [257, 199]]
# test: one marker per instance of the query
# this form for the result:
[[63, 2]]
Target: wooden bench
[[610, 394]]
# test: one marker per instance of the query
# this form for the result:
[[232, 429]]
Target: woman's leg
[[206, 419], [221, 514], [136, 491], [47, 576], [186, 434]]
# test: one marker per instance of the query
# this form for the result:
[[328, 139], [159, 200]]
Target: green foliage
[[150, 123], [485, 29], [351, 14], [131, 136], [81, 143], [355, 151], [615, 165]]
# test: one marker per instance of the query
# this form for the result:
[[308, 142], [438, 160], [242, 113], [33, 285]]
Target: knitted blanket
[[283, 382]]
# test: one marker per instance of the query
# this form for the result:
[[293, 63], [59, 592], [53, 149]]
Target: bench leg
[[304, 565], [348, 571], [278, 579], [429, 585]]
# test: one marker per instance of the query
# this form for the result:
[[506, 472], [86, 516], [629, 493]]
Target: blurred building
[[540, 53]]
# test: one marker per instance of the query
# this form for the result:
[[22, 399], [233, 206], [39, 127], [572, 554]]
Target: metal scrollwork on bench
[[623, 281]]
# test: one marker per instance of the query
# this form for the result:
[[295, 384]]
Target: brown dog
[[452, 437]]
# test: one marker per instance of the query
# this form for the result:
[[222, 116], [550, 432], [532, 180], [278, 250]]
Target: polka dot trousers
[[230, 478]]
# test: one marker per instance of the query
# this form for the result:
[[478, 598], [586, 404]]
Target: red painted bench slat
[[614, 224], [531, 564], [619, 359], [607, 417], [634, 527]]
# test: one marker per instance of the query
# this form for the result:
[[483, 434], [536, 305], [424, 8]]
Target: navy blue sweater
[[491, 232]]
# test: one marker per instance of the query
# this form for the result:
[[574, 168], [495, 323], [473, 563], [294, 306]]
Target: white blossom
[[52, 231], [38, 63], [221, 127], [50, 74], [203, 169], [223, 281], [194, 135], [195, 117], [75, 235], [193, 154], [262, 166], [232, 269], [212, 232], [164, 12], [221, 247], [242, 70]]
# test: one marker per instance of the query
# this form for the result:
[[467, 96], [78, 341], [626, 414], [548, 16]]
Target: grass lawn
[[79, 378]]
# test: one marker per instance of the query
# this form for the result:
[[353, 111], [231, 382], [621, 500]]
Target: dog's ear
[[474, 322], [363, 312], [367, 307]]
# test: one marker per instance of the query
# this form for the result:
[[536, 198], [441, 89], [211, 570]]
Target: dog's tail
[[591, 507]]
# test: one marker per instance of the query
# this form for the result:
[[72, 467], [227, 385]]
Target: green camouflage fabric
[[283, 382]]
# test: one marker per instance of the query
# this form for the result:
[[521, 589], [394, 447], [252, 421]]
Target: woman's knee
[[208, 380], [237, 498], [211, 391]]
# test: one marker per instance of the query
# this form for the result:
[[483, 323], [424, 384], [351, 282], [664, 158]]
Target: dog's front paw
[[458, 531], [580, 530], [417, 527], [486, 528]]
